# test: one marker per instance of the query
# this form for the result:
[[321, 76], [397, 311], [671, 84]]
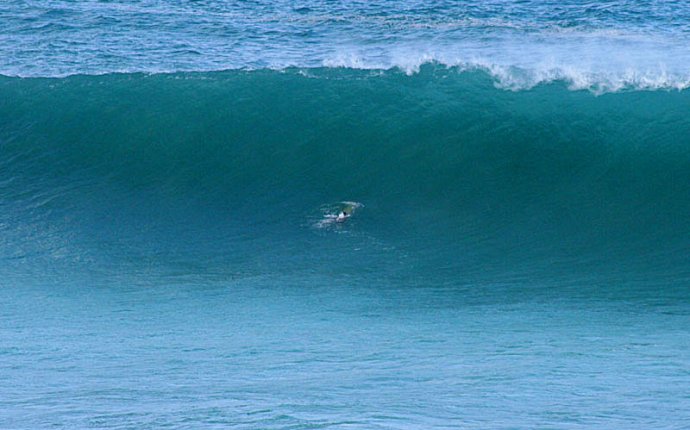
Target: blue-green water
[[520, 260]]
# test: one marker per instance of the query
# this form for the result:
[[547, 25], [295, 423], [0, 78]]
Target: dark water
[[520, 258], [228, 171]]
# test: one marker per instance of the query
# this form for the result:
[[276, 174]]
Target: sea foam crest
[[516, 77], [598, 66]]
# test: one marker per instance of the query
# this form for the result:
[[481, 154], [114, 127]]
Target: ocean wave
[[441, 157]]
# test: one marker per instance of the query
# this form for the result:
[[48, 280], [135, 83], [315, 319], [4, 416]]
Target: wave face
[[225, 174], [602, 47]]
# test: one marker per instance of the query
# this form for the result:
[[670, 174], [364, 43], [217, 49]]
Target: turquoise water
[[342, 351], [519, 260]]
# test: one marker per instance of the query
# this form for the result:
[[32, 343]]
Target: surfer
[[338, 214], [342, 216]]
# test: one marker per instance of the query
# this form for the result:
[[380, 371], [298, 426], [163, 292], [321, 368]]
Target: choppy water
[[604, 46], [520, 259]]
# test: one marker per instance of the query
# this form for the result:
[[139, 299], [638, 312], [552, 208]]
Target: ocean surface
[[517, 254]]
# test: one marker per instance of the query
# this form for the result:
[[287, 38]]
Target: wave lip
[[596, 61], [516, 78]]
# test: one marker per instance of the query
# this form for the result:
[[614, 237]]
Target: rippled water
[[602, 45], [339, 352]]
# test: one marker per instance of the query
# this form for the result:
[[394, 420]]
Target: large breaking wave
[[225, 172]]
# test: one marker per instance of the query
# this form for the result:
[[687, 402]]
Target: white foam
[[600, 63]]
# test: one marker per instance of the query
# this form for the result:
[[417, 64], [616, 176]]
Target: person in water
[[342, 216]]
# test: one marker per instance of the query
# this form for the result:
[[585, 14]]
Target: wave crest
[[516, 78]]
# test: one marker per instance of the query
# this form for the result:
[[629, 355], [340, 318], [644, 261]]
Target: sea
[[512, 179]]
